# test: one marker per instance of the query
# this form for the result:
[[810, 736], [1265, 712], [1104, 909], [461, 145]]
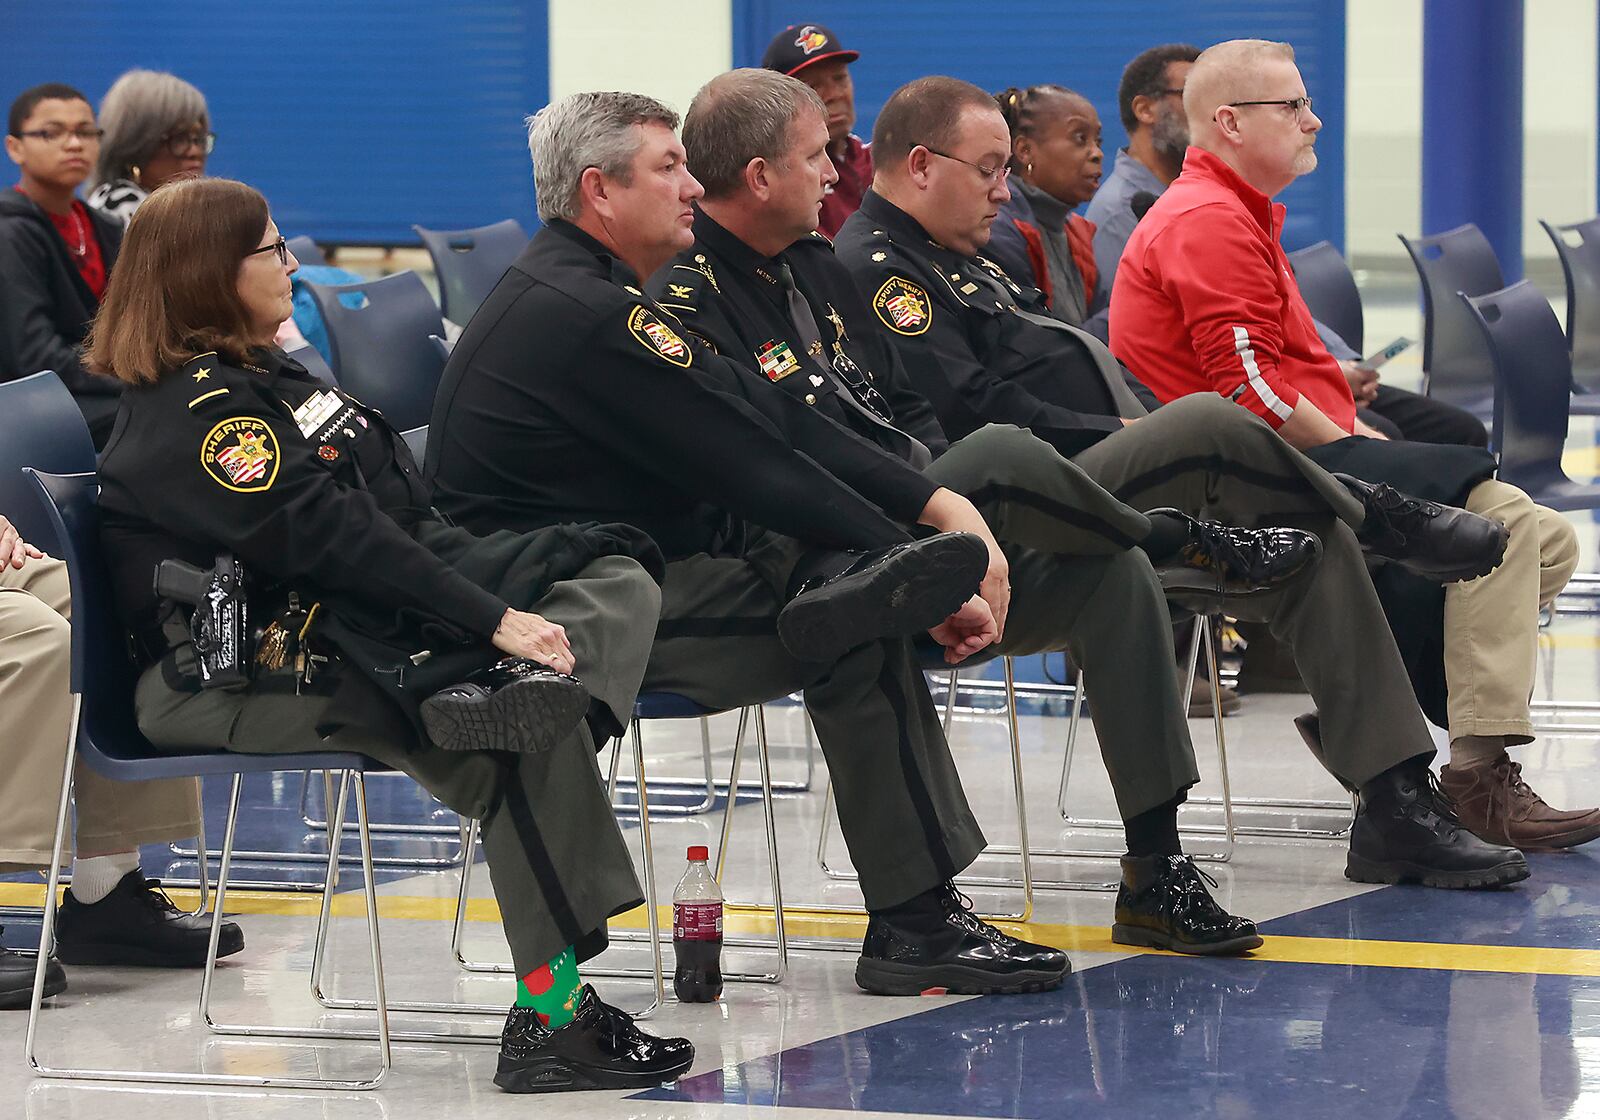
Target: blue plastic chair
[[106, 738], [40, 426], [1456, 364], [1330, 290], [1578, 247], [378, 333], [307, 251], [470, 262], [1533, 375]]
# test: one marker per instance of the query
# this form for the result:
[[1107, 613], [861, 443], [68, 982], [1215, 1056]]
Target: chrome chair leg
[[382, 1035]]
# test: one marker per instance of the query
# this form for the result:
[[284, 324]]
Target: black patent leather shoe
[[513, 705], [1406, 831], [949, 949], [1163, 904], [600, 1049], [1220, 562], [138, 924], [840, 600], [1440, 542], [16, 979]]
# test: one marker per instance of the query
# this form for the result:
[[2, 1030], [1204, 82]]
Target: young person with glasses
[[157, 128], [55, 252]]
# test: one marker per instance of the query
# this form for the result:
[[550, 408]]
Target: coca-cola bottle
[[697, 932]]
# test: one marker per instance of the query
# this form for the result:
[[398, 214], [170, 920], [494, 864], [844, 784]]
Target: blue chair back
[[40, 426], [102, 672], [470, 262], [306, 251], [1455, 360], [1330, 291], [378, 333], [1533, 381], [316, 365], [1578, 246], [104, 676]]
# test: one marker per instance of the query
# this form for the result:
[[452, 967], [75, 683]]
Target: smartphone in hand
[[1394, 349]]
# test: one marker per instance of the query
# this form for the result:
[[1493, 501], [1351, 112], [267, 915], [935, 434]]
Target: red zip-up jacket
[[1205, 301]]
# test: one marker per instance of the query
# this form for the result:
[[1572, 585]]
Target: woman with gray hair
[[157, 128]]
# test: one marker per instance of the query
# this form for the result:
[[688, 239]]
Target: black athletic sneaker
[[840, 600], [138, 924], [1163, 903], [513, 705], [937, 944], [600, 1049]]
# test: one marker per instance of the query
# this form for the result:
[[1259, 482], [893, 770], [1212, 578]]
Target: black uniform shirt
[[301, 482], [733, 297], [954, 319], [573, 397]]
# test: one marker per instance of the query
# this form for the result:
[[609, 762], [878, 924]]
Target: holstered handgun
[[220, 624]]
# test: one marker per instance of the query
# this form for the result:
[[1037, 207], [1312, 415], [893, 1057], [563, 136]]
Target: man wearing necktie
[[761, 287]]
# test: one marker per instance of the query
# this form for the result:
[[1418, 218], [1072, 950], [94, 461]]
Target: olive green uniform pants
[[1207, 457], [558, 862]]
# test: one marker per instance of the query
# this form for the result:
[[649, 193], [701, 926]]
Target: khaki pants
[[36, 715], [1491, 625]]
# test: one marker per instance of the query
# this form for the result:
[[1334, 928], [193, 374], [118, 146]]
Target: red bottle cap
[[699, 852]]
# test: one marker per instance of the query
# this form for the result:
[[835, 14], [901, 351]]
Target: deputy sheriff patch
[[658, 338], [241, 454], [903, 307]]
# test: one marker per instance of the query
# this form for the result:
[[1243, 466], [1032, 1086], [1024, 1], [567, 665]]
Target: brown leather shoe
[[1498, 806]]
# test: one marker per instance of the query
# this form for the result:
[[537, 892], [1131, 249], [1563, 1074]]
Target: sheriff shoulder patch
[[903, 307], [658, 338], [241, 454]]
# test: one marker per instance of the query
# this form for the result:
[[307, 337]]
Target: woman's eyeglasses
[[280, 246]]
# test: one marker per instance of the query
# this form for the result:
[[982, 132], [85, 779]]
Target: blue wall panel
[[1084, 45], [354, 119]]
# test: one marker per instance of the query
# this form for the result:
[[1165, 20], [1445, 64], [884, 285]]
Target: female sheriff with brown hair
[[379, 621]]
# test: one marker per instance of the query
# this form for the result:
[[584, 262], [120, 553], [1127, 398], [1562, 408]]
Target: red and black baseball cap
[[798, 46]]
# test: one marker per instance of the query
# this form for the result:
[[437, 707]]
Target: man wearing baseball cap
[[813, 54]]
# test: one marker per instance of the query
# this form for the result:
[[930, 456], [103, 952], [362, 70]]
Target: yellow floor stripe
[[1528, 959]]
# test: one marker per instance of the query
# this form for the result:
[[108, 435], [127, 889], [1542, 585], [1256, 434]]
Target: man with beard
[[1150, 99]]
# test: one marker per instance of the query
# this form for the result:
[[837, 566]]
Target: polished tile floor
[[1394, 1002]]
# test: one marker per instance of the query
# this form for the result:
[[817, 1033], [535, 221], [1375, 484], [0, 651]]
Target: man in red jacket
[[1205, 302]]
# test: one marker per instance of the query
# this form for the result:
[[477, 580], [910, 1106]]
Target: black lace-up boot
[[936, 943], [1164, 904], [1406, 831], [1440, 542], [1219, 562]]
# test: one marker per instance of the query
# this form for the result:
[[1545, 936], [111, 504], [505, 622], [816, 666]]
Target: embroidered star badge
[[201, 374]]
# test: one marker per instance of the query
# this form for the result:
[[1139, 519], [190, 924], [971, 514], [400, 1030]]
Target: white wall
[[665, 50], [1383, 141]]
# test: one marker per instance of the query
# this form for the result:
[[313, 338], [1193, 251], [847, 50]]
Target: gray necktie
[[1128, 406], [805, 324]]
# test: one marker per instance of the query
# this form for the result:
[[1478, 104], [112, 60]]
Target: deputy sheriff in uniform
[[904, 311], [369, 602], [784, 306], [571, 390]]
